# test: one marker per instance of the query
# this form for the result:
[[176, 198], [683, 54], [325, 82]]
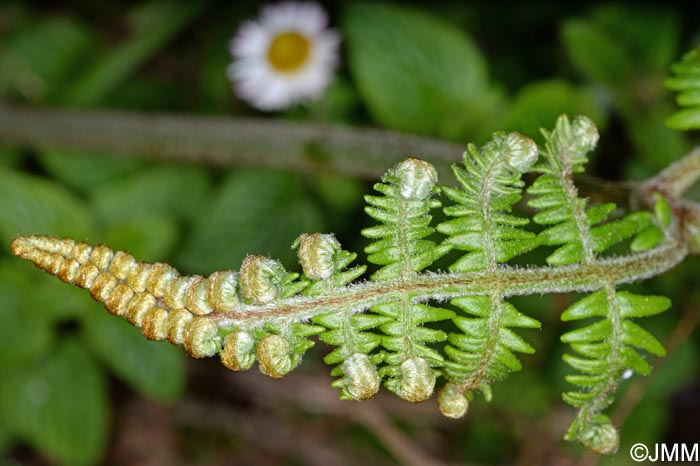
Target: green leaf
[[58, 302], [9, 157], [649, 33], [511, 317], [25, 332], [341, 193], [86, 170], [603, 368], [584, 380], [38, 60], [6, 441], [149, 238], [153, 368], [173, 190], [538, 105], [338, 104], [689, 98], [596, 55], [59, 406], [415, 72], [567, 254], [592, 350], [154, 23], [30, 205], [252, 212], [657, 145], [511, 340], [213, 86], [561, 208]]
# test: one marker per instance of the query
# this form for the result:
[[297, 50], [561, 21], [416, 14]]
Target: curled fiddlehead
[[382, 330]]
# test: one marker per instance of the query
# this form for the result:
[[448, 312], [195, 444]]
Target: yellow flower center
[[288, 51]]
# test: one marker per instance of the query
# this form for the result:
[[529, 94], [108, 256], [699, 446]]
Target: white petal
[[258, 82], [251, 40]]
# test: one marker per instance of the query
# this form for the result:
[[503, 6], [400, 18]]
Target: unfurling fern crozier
[[384, 330]]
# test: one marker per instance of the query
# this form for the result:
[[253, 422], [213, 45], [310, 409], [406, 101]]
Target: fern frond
[[576, 229], [279, 345], [483, 353], [607, 349], [410, 359], [399, 245], [491, 184], [571, 225], [383, 329], [403, 213], [485, 227], [686, 81], [324, 263]]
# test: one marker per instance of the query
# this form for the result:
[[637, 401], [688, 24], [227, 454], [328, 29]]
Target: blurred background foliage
[[78, 387]]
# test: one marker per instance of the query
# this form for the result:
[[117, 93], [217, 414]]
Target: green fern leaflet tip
[[686, 81]]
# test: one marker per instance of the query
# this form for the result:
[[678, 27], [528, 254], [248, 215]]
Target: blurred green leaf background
[[80, 388]]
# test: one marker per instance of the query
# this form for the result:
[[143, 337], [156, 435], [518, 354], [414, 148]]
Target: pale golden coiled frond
[[154, 296]]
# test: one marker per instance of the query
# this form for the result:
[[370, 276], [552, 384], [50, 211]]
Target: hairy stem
[[223, 141], [678, 177], [485, 195], [578, 209], [511, 280]]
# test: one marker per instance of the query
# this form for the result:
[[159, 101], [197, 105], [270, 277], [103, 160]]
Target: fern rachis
[[378, 327]]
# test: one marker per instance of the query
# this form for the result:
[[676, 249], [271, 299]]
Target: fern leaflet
[[686, 81]]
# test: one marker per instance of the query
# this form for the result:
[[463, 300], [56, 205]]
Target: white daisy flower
[[286, 56]]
